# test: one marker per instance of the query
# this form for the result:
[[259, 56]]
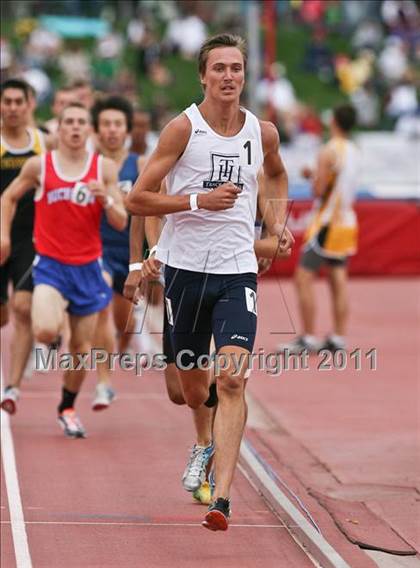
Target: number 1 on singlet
[[247, 152]]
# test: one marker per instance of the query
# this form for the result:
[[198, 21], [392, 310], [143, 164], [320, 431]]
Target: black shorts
[[167, 346], [313, 260], [18, 269], [200, 305]]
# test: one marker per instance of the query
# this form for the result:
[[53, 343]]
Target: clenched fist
[[223, 197]]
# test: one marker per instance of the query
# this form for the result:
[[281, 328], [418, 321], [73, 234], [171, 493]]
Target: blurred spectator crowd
[[129, 40]]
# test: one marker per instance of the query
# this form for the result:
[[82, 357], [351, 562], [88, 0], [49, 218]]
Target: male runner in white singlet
[[211, 155]]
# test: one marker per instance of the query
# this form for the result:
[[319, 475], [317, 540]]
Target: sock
[[337, 339], [311, 339], [203, 447], [212, 400], [67, 400]]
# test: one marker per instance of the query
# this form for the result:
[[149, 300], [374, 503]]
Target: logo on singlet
[[200, 132], [79, 194], [224, 168]]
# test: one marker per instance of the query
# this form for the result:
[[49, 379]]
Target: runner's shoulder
[[176, 133], [269, 134]]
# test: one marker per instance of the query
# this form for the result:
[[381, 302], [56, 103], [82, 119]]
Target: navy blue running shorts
[[200, 305]]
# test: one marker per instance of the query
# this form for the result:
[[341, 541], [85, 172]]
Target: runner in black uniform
[[18, 143]]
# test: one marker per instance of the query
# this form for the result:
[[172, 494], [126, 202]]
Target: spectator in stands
[[83, 92], [277, 92], [74, 63], [62, 97], [186, 34], [368, 35], [403, 99], [393, 61], [367, 105], [143, 141], [318, 57]]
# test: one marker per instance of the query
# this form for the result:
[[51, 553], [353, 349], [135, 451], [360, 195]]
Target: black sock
[[67, 400], [212, 400]]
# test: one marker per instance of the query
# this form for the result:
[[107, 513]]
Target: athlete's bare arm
[[27, 179], [153, 224], [275, 184], [145, 200], [108, 194], [323, 172], [136, 240]]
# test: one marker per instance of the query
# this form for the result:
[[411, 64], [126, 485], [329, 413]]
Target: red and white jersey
[[67, 215]]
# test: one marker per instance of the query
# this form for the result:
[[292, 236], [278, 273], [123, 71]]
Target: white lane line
[[113, 524], [17, 521], [306, 534]]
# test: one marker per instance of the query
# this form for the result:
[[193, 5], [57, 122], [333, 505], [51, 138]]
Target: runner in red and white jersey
[[77, 241], [74, 187]]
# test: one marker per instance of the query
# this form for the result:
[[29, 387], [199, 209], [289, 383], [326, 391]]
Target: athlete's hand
[[151, 268], [286, 239], [264, 264], [223, 197], [131, 285], [98, 190], [5, 247], [306, 172]]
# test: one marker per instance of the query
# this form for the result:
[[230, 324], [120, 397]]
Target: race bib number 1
[[247, 152]]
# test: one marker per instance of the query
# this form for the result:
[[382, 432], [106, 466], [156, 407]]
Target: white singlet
[[214, 242]]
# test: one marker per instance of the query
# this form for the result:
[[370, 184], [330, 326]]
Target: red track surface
[[115, 499]]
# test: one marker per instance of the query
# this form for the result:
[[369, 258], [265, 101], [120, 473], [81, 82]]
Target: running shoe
[[103, 398], [298, 345], [10, 398], [195, 472], [71, 424], [332, 345], [217, 517], [203, 493]]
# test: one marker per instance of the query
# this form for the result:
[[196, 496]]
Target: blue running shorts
[[115, 262], [83, 286]]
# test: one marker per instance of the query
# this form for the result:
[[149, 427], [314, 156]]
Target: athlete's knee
[[80, 345], [195, 397], [22, 311], [45, 334], [176, 396], [229, 383], [173, 385]]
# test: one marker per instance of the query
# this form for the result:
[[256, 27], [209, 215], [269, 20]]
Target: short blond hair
[[221, 40]]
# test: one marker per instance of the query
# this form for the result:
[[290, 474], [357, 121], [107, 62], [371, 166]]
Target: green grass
[[181, 92], [291, 44]]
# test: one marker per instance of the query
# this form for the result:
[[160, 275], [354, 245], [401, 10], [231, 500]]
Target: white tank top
[[339, 207], [214, 242]]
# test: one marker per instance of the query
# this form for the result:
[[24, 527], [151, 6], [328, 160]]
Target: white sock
[[338, 339], [310, 339]]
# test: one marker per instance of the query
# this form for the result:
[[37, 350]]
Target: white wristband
[[194, 201], [109, 202], [152, 251], [135, 266]]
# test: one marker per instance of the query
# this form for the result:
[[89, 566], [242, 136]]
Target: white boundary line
[[17, 521], [128, 524], [313, 541]]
